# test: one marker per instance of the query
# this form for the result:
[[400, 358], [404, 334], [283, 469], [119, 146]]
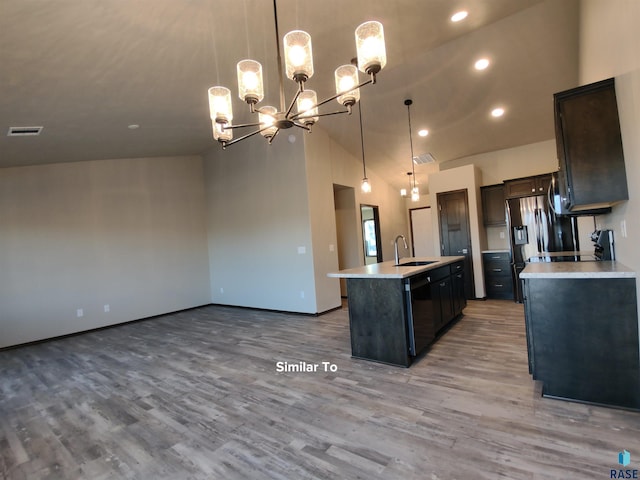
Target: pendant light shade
[[250, 86], [372, 55], [267, 119], [220, 105], [346, 77], [298, 56], [307, 104]]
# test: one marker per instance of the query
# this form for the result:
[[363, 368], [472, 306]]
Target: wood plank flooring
[[196, 395]]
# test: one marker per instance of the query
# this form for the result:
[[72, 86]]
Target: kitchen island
[[397, 311], [582, 331]]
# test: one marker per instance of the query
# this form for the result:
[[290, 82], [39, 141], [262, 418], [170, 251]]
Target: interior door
[[455, 233]]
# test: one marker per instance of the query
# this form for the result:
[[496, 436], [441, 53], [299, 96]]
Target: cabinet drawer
[[496, 257], [503, 291], [457, 267], [438, 274]]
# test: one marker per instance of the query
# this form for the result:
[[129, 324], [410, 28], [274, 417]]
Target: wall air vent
[[24, 131], [424, 158]]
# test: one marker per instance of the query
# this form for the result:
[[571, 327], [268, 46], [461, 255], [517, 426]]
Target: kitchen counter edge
[[391, 270], [599, 269]]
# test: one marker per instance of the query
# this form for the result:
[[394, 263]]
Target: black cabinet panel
[[582, 337], [589, 145], [493, 206], [498, 278]]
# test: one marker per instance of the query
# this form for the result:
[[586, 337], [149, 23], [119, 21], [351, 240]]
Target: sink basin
[[414, 264]]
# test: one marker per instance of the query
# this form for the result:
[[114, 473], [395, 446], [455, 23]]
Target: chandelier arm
[[321, 114], [274, 135], [236, 140], [280, 76], [293, 101], [301, 126], [327, 100], [242, 125]]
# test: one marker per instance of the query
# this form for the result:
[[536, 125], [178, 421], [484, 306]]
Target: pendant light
[[365, 186], [415, 193]]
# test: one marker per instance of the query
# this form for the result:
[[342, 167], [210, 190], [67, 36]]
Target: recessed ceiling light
[[481, 64], [423, 133], [133, 126], [497, 112], [461, 15]]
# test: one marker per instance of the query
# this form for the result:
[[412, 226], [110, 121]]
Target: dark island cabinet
[[493, 206], [394, 320], [589, 146], [582, 339]]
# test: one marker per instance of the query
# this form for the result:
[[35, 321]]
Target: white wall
[[128, 233], [465, 177], [258, 223], [610, 47], [347, 171]]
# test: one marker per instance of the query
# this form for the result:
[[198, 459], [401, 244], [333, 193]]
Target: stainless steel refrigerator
[[534, 228]]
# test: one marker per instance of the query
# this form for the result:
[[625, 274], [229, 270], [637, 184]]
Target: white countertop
[[500, 250], [391, 270], [600, 269]]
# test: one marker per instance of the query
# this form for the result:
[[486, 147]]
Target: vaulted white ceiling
[[85, 70]]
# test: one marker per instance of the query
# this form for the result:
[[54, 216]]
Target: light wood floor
[[196, 395]]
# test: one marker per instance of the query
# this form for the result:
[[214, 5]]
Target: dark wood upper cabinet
[[589, 147], [528, 186], [493, 206]]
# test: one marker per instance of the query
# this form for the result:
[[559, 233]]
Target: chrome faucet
[[396, 247]]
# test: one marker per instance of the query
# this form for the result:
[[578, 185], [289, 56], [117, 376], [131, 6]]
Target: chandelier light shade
[[267, 119], [298, 66], [250, 86], [346, 79], [298, 55], [220, 105], [307, 107], [372, 55], [220, 134]]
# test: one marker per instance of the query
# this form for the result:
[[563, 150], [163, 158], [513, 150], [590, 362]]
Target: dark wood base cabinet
[[582, 339], [394, 320]]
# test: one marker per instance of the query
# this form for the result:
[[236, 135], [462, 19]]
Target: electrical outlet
[[80, 313], [332, 247], [107, 308], [302, 250], [502, 235], [301, 293], [221, 290], [623, 228]]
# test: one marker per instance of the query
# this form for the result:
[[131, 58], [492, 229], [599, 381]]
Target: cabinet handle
[[540, 189], [498, 285], [496, 257], [497, 269], [443, 284], [533, 190]]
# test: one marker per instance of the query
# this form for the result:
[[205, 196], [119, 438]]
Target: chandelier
[[415, 193], [371, 58]]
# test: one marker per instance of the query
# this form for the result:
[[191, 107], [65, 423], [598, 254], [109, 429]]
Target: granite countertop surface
[[600, 269], [391, 270], [498, 250]]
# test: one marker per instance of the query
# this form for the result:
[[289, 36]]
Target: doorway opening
[[371, 238]]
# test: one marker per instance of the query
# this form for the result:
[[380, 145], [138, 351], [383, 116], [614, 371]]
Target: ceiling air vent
[[424, 158], [24, 131]]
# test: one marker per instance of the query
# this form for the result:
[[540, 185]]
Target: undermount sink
[[414, 264]]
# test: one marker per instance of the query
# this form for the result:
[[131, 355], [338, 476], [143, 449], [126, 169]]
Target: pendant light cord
[[413, 170], [282, 100], [364, 168]]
